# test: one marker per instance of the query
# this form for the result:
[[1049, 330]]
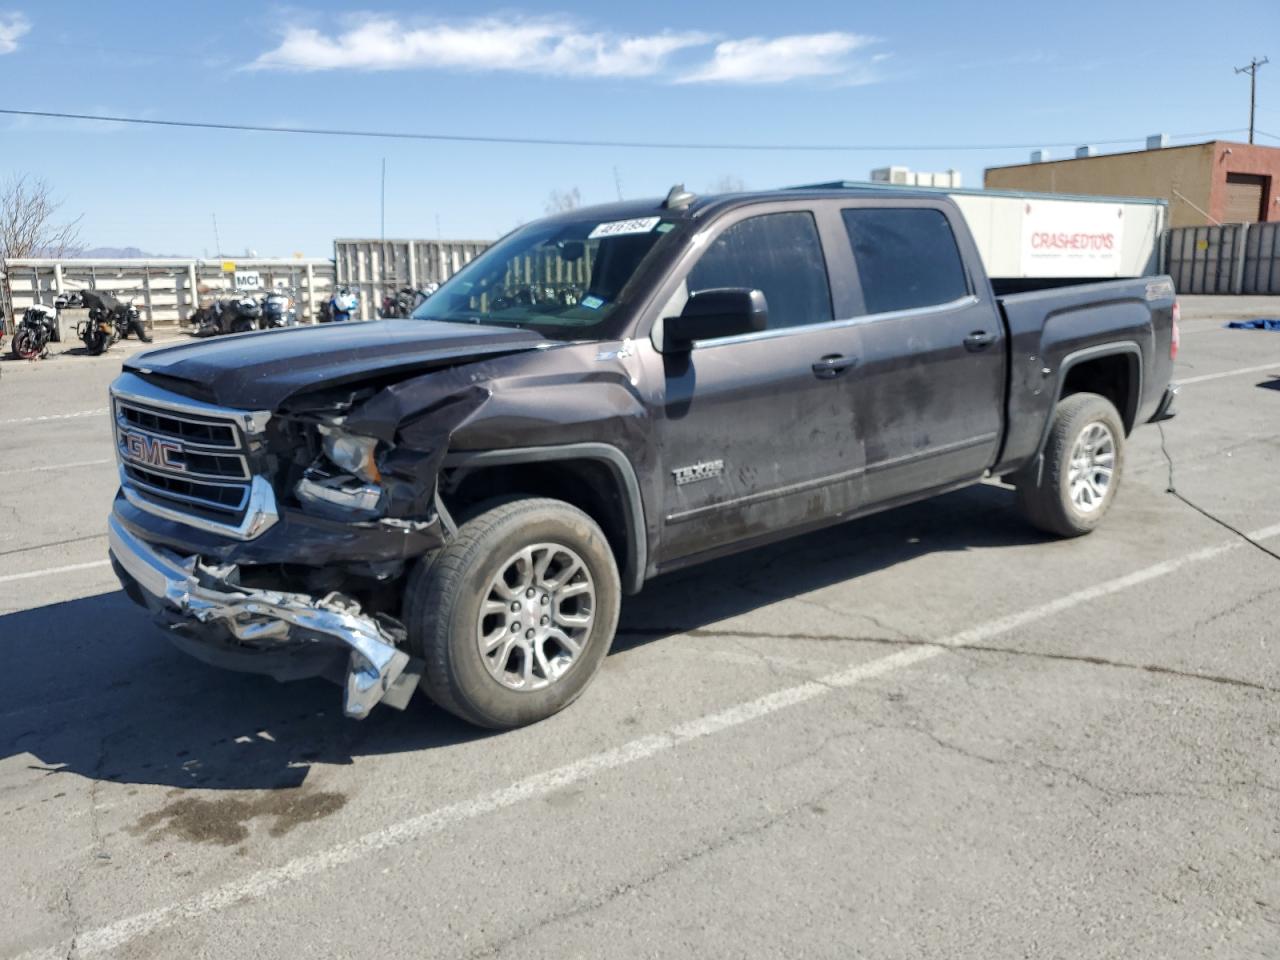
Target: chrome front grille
[[190, 461]]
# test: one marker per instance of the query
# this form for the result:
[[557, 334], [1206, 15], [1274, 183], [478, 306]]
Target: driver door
[[756, 434]]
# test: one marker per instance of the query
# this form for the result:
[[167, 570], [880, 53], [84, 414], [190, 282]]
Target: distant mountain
[[121, 253]]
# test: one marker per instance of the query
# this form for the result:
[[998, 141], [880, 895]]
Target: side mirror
[[710, 314]]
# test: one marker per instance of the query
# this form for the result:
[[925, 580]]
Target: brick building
[[1218, 181]]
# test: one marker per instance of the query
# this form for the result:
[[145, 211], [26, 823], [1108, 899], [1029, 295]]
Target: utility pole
[[1252, 71], [217, 241], [382, 204], [617, 182]]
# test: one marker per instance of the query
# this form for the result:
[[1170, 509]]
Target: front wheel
[[25, 345], [514, 616], [96, 342], [1081, 471]]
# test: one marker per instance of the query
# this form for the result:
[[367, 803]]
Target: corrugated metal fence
[[167, 290], [1232, 258], [377, 268]]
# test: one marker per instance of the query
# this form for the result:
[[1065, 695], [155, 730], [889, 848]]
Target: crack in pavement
[[1112, 793], [676, 863], [1234, 608], [73, 921], [703, 633]]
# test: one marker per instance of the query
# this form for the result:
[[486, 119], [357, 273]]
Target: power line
[[554, 142]]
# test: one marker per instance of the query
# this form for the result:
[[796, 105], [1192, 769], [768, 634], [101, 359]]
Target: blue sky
[[716, 71]]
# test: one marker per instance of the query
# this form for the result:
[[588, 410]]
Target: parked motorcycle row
[[245, 313], [109, 320]]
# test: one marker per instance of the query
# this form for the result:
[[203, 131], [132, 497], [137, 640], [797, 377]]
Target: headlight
[[351, 453]]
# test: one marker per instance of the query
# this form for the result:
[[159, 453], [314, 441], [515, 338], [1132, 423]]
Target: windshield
[[562, 279]]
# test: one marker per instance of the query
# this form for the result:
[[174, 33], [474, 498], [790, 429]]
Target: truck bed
[[1050, 327]]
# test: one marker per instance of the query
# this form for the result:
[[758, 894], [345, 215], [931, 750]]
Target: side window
[[906, 257], [777, 253]]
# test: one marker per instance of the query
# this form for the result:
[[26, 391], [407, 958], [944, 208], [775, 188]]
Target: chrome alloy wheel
[[536, 617], [1093, 461]]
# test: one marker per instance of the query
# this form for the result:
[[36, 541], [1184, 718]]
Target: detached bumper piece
[[263, 625], [1166, 411]]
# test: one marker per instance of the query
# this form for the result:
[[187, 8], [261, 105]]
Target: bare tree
[[727, 183], [561, 200], [29, 222]]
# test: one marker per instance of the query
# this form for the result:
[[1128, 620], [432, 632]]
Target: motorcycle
[[38, 326], [128, 321], [277, 310], [340, 306], [238, 315], [406, 300], [101, 329]]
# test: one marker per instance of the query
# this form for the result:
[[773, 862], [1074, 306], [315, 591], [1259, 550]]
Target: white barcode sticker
[[620, 228]]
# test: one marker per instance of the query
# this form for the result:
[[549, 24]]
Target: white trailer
[[1046, 235]]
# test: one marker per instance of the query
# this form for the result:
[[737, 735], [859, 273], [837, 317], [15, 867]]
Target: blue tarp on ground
[[1254, 324]]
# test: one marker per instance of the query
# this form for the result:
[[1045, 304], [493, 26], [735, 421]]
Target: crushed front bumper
[[262, 631]]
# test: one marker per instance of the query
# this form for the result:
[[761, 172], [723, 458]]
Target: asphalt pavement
[[933, 733]]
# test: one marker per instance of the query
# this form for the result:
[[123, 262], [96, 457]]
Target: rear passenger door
[[756, 436], [929, 390]]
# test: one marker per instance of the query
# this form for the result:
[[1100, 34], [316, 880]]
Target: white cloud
[[13, 26], [525, 45], [760, 60], [558, 46]]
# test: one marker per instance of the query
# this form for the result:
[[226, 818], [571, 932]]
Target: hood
[[258, 371]]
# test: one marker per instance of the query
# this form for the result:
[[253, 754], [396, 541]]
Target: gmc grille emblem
[[152, 452]]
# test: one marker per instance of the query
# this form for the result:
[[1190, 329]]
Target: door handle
[[979, 340], [832, 365]]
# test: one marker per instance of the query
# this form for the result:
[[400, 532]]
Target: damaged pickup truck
[[458, 501]]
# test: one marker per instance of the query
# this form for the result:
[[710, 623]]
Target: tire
[[1055, 501], [242, 325], [444, 597], [97, 343], [24, 345]]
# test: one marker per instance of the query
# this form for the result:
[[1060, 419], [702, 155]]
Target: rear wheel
[[1083, 460], [514, 616]]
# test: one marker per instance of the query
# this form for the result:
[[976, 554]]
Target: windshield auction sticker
[[620, 228]]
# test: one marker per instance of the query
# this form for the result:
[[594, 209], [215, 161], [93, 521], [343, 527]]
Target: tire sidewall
[[23, 345], [1099, 410], [457, 616]]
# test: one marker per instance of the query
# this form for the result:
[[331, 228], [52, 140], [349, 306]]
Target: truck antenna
[[678, 198]]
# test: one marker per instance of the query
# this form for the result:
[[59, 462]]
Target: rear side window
[[777, 253], [906, 258]]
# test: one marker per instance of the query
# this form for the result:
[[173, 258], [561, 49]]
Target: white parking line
[[32, 574], [58, 466], [1204, 378], [56, 416], [259, 884]]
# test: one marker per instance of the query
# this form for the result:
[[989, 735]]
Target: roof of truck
[[700, 205]]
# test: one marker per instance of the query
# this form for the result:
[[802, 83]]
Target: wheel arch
[[1084, 371], [1112, 370], [598, 478]]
